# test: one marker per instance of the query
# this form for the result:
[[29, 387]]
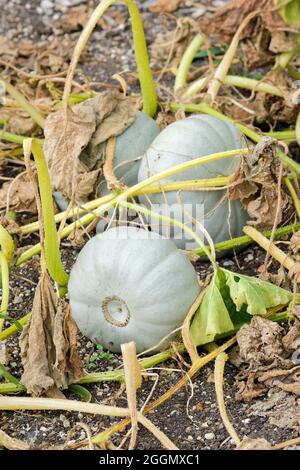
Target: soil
[[190, 418]]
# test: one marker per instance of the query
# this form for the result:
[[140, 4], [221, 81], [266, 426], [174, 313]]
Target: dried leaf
[[262, 172], [20, 195], [295, 242], [17, 121], [165, 6], [281, 409], [74, 143], [11, 443], [48, 344], [261, 345], [254, 444], [223, 24]]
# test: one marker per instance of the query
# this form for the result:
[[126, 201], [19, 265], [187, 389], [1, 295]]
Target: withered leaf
[[20, 195], [257, 187], [226, 20], [295, 242], [74, 142], [48, 344], [254, 444], [281, 409], [165, 6], [11, 443], [261, 345]]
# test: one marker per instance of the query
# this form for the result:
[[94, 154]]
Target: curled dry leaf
[[225, 21], [261, 345], [295, 242], [165, 6], [254, 444], [11, 443], [264, 36], [17, 121], [19, 194], [168, 47], [48, 344], [271, 356], [280, 408], [74, 142], [257, 187]]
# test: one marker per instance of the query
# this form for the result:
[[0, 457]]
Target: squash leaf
[[230, 301], [290, 11]]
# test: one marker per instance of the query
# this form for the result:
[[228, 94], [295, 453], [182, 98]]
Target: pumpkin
[[131, 285], [129, 146], [190, 138]]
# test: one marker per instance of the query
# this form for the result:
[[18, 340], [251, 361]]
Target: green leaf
[[17, 324], [81, 392], [212, 317], [230, 301], [290, 12], [257, 295]]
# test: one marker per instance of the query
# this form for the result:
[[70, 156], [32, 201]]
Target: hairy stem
[[240, 82], [246, 240], [140, 47], [5, 287], [187, 60], [51, 242]]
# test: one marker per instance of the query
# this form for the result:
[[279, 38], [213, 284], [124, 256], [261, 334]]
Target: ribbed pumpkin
[[127, 287], [129, 146], [190, 138]]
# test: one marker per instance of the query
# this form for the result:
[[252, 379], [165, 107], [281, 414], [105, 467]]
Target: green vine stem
[[246, 240], [237, 81], [186, 61], [206, 109], [6, 243], [283, 60], [51, 242], [298, 129], [12, 329], [288, 135], [16, 95], [219, 183], [222, 69], [140, 47], [7, 375], [26, 403], [293, 194], [127, 193], [5, 287], [209, 253]]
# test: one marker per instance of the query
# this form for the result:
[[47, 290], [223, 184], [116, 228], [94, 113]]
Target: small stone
[[190, 438], [66, 424], [246, 420], [209, 436]]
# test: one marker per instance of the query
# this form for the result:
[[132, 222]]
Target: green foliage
[[81, 392], [17, 324], [290, 11], [230, 300], [100, 354]]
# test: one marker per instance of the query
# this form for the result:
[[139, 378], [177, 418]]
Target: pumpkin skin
[[126, 287], [193, 137], [130, 145]]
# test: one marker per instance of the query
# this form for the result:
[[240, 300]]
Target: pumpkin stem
[[116, 311]]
